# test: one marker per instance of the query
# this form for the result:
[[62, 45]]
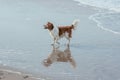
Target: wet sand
[[7, 73]]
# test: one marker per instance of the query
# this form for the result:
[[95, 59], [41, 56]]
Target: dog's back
[[65, 29]]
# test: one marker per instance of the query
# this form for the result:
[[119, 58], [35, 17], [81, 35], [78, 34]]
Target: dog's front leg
[[57, 40], [53, 42]]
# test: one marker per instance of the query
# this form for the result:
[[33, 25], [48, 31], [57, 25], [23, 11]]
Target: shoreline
[[9, 73]]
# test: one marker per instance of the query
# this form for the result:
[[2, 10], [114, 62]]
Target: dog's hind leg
[[68, 38], [68, 41]]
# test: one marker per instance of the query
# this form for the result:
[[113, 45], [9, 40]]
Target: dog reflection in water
[[59, 56]]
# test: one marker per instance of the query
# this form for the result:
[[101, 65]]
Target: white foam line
[[11, 71], [95, 4], [37, 78], [103, 28], [106, 29]]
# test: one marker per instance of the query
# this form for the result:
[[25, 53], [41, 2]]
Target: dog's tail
[[75, 23]]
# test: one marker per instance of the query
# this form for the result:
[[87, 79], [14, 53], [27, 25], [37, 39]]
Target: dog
[[58, 55], [61, 31]]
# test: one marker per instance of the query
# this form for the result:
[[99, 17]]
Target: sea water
[[108, 17], [24, 44]]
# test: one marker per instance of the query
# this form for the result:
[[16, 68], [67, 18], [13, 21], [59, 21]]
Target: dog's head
[[49, 26]]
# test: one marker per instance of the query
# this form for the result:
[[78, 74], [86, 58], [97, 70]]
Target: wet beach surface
[[93, 54]]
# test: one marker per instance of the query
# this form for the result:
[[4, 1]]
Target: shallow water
[[24, 44]]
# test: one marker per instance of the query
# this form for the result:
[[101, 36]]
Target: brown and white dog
[[61, 31]]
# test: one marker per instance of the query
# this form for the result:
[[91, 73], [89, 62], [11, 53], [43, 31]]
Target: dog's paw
[[52, 44]]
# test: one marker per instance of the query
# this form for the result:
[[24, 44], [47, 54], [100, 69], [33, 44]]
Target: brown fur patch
[[65, 29]]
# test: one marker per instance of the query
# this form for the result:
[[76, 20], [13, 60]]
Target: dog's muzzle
[[45, 27]]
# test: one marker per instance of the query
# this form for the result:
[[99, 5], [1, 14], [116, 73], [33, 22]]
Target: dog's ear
[[50, 26]]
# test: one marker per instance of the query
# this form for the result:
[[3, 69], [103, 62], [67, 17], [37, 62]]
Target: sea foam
[[108, 16], [105, 4], [107, 21]]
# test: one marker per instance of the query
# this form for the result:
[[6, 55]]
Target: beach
[[8, 73], [25, 44]]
